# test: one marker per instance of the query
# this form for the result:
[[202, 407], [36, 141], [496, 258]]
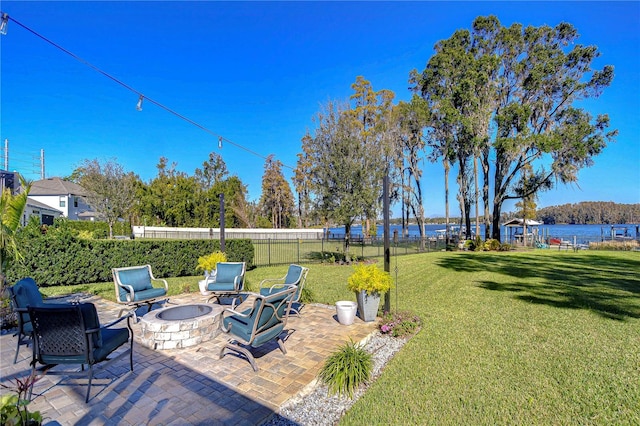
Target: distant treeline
[[588, 212], [583, 213]]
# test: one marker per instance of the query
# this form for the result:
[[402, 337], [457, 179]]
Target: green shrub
[[505, 247], [346, 369], [61, 258], [491, 245]]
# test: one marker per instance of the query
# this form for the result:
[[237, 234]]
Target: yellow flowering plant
[[369, 278], [209, 262]]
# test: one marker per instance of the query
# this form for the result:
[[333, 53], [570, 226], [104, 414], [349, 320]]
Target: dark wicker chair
[[24, 293], [261, 323], [71, 334]]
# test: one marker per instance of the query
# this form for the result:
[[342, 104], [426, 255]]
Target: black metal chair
[[71, 334], [24, 293]]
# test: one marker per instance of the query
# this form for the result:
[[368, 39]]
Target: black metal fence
[[279, 252]]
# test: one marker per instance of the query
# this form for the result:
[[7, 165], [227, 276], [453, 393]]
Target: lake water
[[581, 234]]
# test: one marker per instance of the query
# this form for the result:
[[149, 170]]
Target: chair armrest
[[114, 322], [267, 282], [232, 309], [130, 292], [164, 282], [166, 286]]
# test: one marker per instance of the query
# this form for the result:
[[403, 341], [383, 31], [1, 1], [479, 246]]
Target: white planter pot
[[346, 312], [368, 305]]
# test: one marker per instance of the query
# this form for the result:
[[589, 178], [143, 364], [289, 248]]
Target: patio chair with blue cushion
[[261, 322], [71, 334], [134, 288], [296, 275], [227, 282], [23, 294]]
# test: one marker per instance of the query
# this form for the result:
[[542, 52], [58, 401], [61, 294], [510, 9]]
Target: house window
[[63, 202], [75, 202]]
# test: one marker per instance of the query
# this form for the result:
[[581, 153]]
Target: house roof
[[38, 205], [56, 186]]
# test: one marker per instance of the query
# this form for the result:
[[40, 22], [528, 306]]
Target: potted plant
[[369, 282], [208, 263]]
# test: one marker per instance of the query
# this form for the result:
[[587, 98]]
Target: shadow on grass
[[609, 286]]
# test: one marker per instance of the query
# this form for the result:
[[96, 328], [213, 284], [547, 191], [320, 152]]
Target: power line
[[140, 94]]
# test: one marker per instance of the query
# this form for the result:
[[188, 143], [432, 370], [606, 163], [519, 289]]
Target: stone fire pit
[[180, 326]]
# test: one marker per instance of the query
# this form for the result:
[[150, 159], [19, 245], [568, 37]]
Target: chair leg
[[15, 359], [23, 339], [33, 373], [281, 346], [90, 379], [244, 351]]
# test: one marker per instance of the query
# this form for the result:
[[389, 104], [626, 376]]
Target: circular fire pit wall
[[180, 326]]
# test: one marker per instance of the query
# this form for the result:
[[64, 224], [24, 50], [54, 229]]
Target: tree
[[375, 125], [535, 117], [525, 81], [213, 170], [11, 210], [301, 182], [336, 169], [276, 200], [110, 191], [412, 119]]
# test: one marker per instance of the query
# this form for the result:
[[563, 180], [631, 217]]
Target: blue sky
[[256, 73]]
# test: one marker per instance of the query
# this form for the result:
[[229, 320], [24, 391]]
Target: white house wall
[[69, 210]]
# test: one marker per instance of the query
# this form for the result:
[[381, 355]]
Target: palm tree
[[11, 209]]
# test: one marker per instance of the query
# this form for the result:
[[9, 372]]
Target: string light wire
[[140, 94]]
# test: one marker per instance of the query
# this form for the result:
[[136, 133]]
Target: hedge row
[[98, 229], [66, 259]]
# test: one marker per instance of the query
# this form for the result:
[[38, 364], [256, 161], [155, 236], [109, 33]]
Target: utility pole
[[222, 243], [42, 164], [6, 154], [387, 242]]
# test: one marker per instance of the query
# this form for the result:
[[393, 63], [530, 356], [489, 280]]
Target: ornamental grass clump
[[400, 324], [346, 369]]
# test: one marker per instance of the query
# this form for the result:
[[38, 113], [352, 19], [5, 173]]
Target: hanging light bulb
[[4, 21], [220, 142], [139, 105]]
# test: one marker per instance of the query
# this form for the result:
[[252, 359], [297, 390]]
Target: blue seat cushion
[[152, 293], [112, 339], [268, 335], [226, 274], [293, 274], [91, 321], [27, 293], [138, 278], [221, 286]]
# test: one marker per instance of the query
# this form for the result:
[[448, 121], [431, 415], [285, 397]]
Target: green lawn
[[515, 338], [541, 337]]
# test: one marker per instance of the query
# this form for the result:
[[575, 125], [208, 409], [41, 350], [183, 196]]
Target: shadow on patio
[[190, 385]]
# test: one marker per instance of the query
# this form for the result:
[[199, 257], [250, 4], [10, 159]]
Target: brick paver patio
[[189, 386]]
